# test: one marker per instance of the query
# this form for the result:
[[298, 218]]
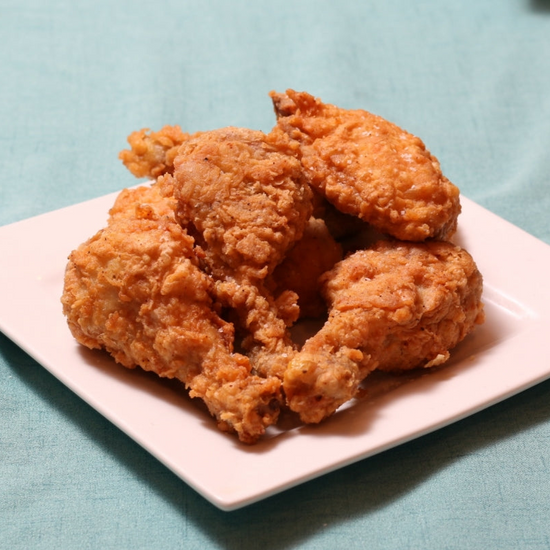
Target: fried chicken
[[244, 199], [135, 289], [369, 167], [394, 307], [246, 203], [315, 253], [152, 154], [201, 275], [340, 226]]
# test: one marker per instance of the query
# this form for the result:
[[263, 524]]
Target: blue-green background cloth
[[471, 78]]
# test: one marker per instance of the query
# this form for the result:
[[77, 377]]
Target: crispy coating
[[135, 289], [340, 226], [246, 203], [200, 276], [243, 199], [369, 167], [152, 154], [315, 253], [266, 339], [394, 307]]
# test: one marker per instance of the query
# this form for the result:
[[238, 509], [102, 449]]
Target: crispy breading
[[315, 253], [265, 337], [135, 289], [152, 153], [394, 307], [200, 276], [369, 167], [244, 200], [246, 203]]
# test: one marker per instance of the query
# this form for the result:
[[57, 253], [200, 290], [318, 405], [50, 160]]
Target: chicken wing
[[394, 307], [369, 167]]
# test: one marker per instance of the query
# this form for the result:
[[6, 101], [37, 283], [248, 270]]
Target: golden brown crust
[[315, 253], [369, 167], [244, 199], [135, 290], [246, 203], [394, 307], [243, 233], [152, 154]]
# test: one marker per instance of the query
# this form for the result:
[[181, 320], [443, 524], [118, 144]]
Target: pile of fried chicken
[[200, 275]]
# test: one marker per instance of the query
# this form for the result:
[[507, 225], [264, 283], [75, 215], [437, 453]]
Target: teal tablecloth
[[471, 78]]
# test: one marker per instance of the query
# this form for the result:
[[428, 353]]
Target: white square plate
[[501, 358]]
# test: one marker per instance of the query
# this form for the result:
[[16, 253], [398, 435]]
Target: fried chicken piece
[[369, 167], [394, 307], [152, 154], [143, 203], [267, 342], [246, 203], [315, 253], [135, 290], [245, 200]]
